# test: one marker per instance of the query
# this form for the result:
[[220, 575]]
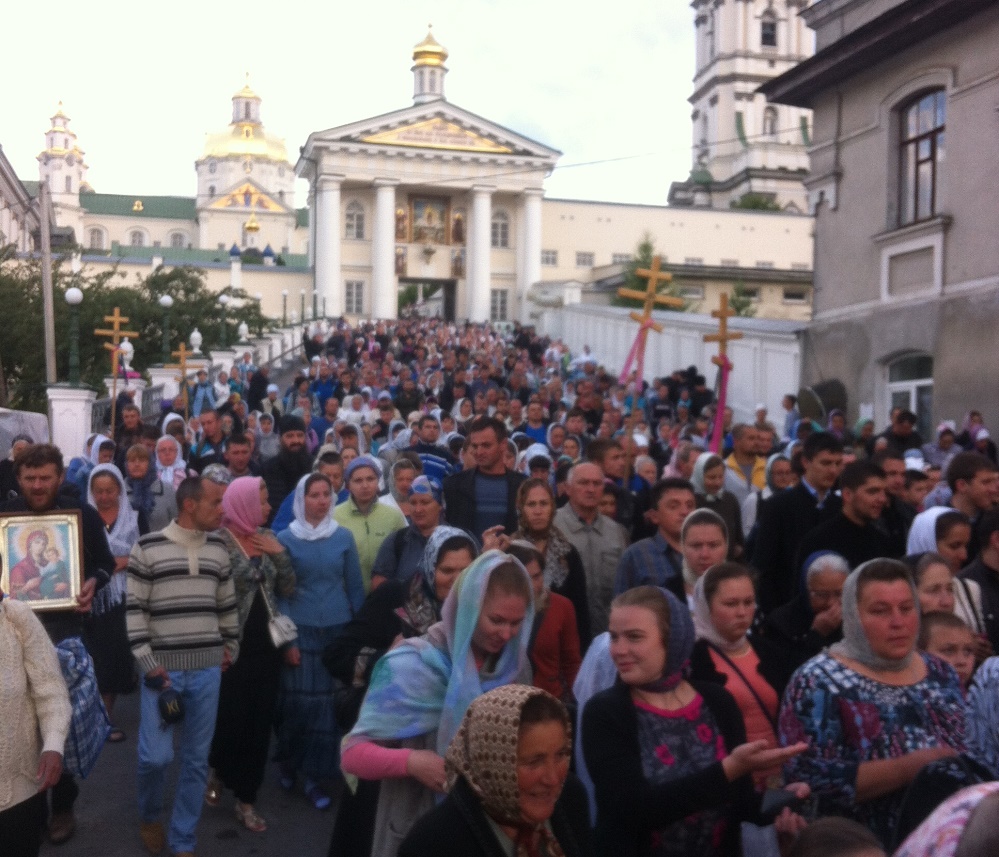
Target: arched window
[[69, 184], [768, 30], [921, 152], [96, 239], [211, 190], [354, 221], [770, 121], [910, 386], [178, 240], [246, 110], [500, 229], [136, 238]]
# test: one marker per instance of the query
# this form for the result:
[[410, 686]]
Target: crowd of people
[[483, 598]]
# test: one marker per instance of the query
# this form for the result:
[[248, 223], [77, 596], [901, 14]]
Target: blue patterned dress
[[847, 719]]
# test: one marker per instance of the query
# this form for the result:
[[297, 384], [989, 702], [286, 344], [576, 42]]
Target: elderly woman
[[668, 756], [813, 619], [872, 709], [509, 786], [170, 465], [261, 570], [35, 711]]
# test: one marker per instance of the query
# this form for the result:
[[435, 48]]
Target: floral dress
[[847, 718], [675, 744]]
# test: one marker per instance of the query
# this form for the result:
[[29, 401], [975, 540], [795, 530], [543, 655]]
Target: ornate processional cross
[[182, 354], [723, 337], [116, 320]]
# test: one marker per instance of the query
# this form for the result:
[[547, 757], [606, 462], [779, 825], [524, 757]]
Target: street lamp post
[[284, 308], [224, 300], [74, 297], [166, 302], [315, 304], [302, 314]]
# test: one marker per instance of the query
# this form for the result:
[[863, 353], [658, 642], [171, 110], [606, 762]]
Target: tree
[[642, 260], [22, 356], [756, 202], [741, 301]]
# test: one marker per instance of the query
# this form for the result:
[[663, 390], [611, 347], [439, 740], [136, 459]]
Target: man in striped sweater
[[183, 629]]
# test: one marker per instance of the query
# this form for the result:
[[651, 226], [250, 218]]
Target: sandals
[[115, 736], [247, 816]]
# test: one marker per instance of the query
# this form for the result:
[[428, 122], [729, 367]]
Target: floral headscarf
[[940, 834], [484, 755]]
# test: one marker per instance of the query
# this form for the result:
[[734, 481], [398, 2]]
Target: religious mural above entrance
[[429, 218], [437, 133], [247, 195]]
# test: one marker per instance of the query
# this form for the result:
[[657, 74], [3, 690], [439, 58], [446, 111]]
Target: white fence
[[766, 361]]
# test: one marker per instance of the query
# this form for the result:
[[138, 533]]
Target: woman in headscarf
[[261, 570], [554, 652], [268, 441], [779, 475], [708, 480], [99, 449], [395, 610], [668, 756], [328, 593], [724, 609], [421, 689], [508, 783], [704, 543], [813, 619], [836, 426], [872, 709], [967, 823], [104, 632], [170, 465], [563, 567]]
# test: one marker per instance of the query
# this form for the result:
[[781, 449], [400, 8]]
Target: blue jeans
[[200, 692]]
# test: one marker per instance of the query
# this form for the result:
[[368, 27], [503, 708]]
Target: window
[[500, 229], [795, 296], [96, 239], [69, 184], [584, 260], [910, 386], [921, 151], [246, 111], [178, 240], [212, 167], [620, 258], [751, 292], [137, 239], [354, 297], [693, 260], [498, 304], [549, 257], [768, 33], [211, 190], [770, 122], [691, 293], [730, 263], [355, 221]]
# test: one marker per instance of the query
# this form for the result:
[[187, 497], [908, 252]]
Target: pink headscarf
[[241, 509]]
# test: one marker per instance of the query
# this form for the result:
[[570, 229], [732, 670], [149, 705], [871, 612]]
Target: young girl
[[709, 481], [947, 636]]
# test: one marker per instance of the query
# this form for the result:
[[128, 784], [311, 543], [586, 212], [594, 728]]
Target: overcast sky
[[143, 82]]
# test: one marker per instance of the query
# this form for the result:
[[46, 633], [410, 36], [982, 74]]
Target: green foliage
[[408, 295], [741, 302], [642, 260], [756, 202], [22, 354]]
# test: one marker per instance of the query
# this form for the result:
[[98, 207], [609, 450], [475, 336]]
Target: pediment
[[248, 197], [438, 126]]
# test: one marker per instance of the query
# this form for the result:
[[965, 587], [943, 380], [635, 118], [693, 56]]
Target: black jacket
[[788, 630], [781, 524], [629, 808], [459, 500], [459, 827]]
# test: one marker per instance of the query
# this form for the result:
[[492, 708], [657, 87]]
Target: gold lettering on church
[[437, 133]]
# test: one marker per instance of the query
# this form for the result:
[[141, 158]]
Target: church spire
[[429, 57]]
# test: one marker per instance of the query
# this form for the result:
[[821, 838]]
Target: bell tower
[[61, 164], [429, 70]]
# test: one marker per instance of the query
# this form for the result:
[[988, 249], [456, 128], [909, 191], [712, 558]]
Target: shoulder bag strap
[[770, 718]]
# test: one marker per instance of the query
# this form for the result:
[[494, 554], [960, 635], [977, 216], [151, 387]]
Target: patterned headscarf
[[484, 754], [940, 834], [425, 684]]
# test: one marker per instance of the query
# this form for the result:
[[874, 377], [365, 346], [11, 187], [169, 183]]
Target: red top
[[555, 653]]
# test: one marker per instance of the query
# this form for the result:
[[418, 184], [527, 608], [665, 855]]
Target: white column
[[327, 243], [529, 251], [70, 416], [384, 295], [479, 273]]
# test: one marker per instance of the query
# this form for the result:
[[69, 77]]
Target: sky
[[144, 82]]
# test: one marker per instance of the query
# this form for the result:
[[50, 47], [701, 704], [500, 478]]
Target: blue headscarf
[[425, 684]]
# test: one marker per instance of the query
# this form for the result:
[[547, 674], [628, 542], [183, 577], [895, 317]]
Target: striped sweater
[[181, 600]]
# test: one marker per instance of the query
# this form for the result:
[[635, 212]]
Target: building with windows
[[18, 210], [906, 265], [744, 147]]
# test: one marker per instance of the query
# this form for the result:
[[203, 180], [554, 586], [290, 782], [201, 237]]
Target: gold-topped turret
[[429, 52], [246, 92]]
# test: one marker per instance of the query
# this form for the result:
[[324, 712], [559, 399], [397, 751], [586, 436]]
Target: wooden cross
[[116, 320], [182, 354], [723, 336], [650, 296]]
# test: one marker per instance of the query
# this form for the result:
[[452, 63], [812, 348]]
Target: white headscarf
[[300, 527], [121, 538], [167, 474], [923, 533], [703, 626]]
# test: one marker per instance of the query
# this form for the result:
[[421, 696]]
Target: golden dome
[[429, 52], [246, 92], [252, 225], [245, 139]]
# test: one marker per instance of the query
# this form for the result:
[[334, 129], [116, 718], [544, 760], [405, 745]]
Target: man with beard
[[282, 472], [39, 473]]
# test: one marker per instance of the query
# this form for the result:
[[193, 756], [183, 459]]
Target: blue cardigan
[[328, 585]]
